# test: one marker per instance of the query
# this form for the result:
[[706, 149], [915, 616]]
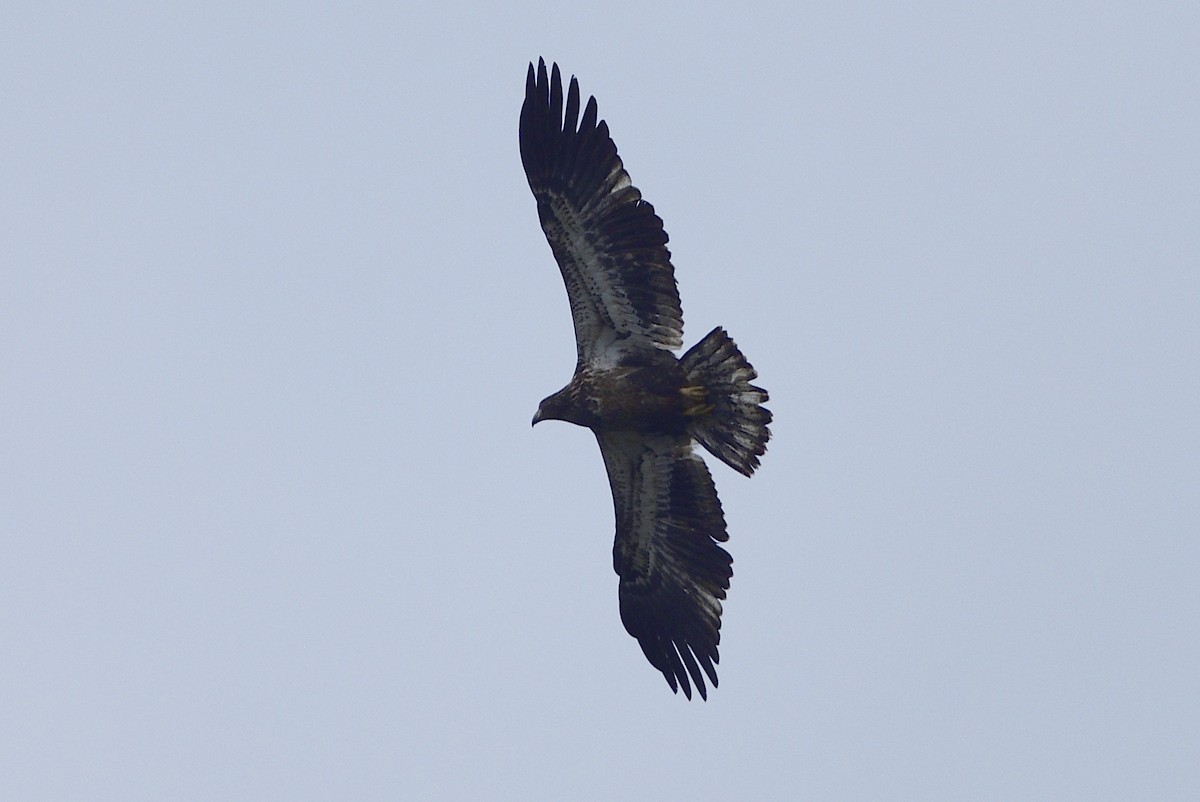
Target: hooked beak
[[537, 416]]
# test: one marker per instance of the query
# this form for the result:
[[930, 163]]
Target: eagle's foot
[[695, 398]]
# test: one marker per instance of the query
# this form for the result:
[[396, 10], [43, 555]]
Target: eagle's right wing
[[609, 243], [673, 573]]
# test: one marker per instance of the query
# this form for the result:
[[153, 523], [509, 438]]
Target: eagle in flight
[[646, 406]]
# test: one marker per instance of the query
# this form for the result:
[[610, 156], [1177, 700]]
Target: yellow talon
[[694, 398]]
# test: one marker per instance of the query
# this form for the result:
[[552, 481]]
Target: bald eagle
[[646, 406]]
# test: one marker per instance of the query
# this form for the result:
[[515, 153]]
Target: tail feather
[[730, 421]]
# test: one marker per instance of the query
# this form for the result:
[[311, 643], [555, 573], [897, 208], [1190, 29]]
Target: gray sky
[[276, 313]]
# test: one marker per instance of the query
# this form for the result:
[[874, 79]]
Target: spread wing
[[673, 573], [609, 243]]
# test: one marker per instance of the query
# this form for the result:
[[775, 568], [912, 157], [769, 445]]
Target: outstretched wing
[[673, 573], [609, 243]]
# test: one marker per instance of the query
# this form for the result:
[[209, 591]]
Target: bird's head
[[551, 408], [563, 405]]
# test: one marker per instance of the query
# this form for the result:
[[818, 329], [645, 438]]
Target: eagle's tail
[[727, 416]]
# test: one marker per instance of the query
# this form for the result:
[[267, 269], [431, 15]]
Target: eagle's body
[[646, 407], [634, 398]]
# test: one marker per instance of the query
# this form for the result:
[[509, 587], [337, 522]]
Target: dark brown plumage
[[646, 407]]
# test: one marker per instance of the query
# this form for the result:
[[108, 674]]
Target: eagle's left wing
[[609, 243], [673, 573]]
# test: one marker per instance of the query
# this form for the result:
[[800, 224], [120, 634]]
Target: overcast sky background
[[275, 313]]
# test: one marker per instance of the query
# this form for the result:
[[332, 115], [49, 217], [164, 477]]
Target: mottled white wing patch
[[600, 308]]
